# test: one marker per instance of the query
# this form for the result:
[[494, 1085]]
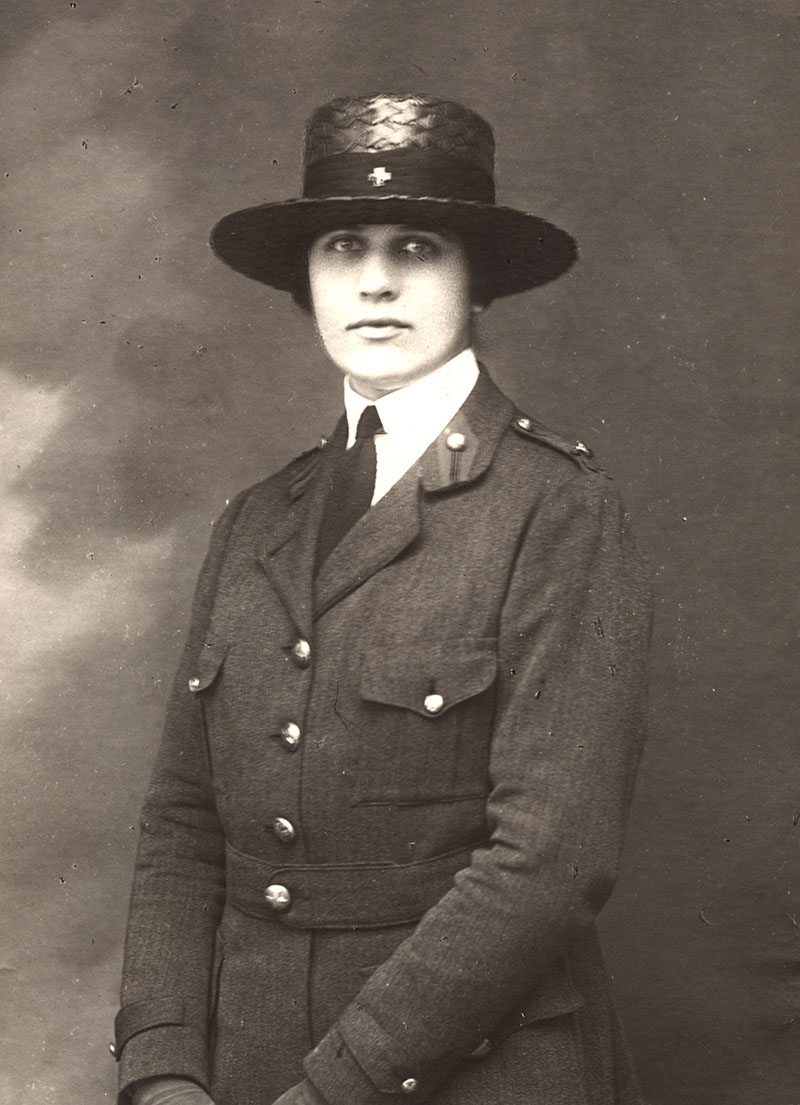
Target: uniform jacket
[[426, 752]]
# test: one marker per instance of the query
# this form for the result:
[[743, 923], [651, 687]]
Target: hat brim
[[519, 251]]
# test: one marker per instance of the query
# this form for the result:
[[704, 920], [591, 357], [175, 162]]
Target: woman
[[391, 792]]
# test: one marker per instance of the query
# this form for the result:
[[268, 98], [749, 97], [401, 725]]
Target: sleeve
[[567, 737], [179, 881]]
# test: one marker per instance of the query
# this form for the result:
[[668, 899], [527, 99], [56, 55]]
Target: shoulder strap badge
[[578, 452]]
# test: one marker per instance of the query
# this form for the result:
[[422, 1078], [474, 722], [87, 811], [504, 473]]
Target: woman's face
[[391, 303]]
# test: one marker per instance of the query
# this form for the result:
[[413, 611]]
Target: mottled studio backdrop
[[142, 384]]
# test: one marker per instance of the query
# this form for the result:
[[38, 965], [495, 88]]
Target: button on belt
[[284, 830], [278, 897], [339, 896]]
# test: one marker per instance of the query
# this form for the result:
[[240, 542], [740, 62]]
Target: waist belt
[[340, 896]]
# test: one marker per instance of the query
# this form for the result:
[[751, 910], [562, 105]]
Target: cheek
[[452, 300], [323, 285], [324, 305]]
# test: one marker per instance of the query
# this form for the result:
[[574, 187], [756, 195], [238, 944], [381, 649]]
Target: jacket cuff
[[357, 1063], [154, 1038]]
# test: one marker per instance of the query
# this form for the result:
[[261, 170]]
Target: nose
[[377, 278]]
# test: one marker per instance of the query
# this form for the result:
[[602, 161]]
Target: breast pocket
[[427, 709]]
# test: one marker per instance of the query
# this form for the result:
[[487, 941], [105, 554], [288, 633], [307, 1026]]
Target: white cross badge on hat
[[379, 176]]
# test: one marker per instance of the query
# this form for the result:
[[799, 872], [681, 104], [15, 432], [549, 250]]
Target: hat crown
[[409, 159], [386, 123]]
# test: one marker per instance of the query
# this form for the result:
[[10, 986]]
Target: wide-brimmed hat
[[415, 160]]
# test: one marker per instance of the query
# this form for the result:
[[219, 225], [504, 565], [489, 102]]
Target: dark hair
[[479, 261]]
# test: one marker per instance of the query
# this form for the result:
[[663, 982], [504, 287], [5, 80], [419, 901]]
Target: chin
[[383, 371]]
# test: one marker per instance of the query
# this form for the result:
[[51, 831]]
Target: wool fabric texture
[[475, 697]]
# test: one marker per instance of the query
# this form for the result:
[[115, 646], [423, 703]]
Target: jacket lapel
[[395, 522], [286, 552], [377, 538]]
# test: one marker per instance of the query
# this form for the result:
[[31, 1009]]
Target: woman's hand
[[301, 1094], [170, 1091]]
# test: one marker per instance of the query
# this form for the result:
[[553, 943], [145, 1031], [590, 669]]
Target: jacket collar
[[459, 456], [464, 450]]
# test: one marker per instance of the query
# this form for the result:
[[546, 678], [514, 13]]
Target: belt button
[[290, 736], [284, 830], [301, 653], [278, 897], [409, 1085]]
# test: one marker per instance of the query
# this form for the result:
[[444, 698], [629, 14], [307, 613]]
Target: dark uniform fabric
[[430, 746]]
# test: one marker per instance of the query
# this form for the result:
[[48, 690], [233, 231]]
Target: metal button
[[434, 703], [482, 1050], [113, 1049], [284, 830], [409, 1085], [524, 423], [278, 897], [301, 652], [290, 736], [456, 442], [582, 450], [194, 683]]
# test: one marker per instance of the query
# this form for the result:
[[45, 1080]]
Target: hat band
[[411, 173]]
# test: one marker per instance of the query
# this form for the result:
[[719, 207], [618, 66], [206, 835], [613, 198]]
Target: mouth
[[379, 329]]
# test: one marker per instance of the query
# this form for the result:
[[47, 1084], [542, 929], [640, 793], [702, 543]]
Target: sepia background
[[142, 384]]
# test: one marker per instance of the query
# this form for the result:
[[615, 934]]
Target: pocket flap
[[429, 677], [207, 666]]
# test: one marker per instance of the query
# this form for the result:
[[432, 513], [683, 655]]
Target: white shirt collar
[[421, 410], [413, 416]]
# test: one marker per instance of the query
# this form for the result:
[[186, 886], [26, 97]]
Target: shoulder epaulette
[[579, 453]]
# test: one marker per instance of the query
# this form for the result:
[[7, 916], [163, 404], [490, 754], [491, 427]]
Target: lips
[[378, 329], [377, 324]]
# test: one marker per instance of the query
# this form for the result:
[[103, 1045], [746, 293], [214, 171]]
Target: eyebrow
[[405, 228]]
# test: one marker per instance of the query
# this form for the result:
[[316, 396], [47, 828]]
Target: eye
[[343, 243], [422, 248]]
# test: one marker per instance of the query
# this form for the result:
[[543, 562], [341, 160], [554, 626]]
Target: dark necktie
[[352, 485]]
